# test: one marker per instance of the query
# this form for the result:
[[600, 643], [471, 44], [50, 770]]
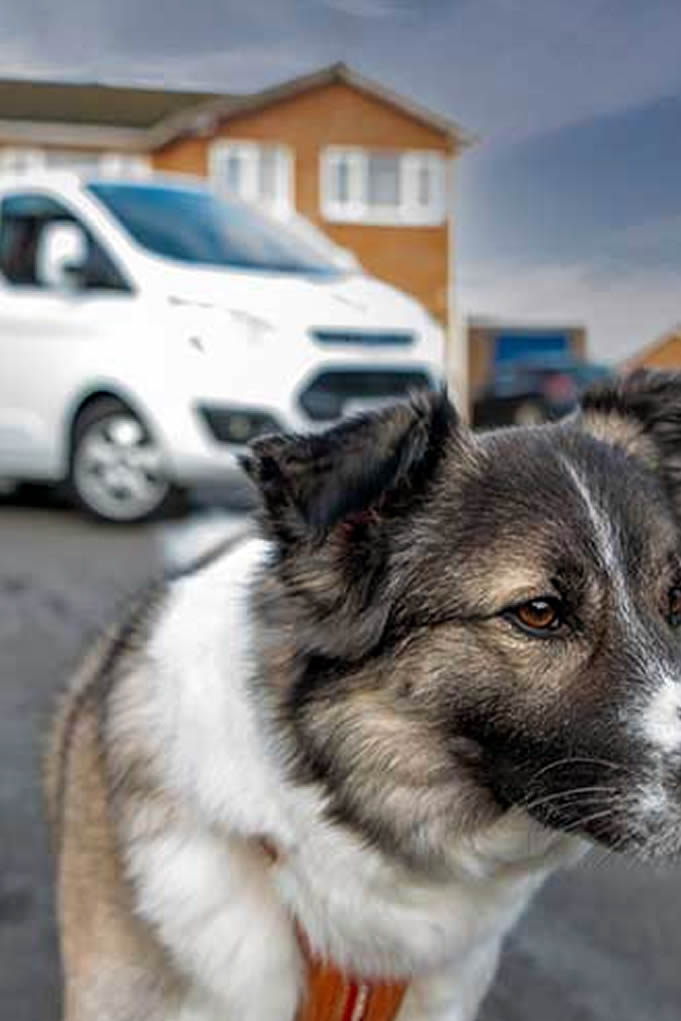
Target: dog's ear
[[329, 502], [309, 484], [641, 414]]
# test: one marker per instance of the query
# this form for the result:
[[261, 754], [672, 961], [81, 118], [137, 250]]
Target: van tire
[[116, 471]]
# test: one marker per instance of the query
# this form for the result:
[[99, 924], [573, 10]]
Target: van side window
[[23, 218]]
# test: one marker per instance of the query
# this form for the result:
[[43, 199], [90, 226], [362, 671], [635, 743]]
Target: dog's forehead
[[554, 492]]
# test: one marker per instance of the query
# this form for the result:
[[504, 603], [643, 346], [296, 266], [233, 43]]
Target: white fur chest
[[371, 915], [368, 914]]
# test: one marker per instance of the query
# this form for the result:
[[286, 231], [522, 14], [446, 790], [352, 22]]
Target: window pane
[[268, 173], [86, 162], [341, 182], [193, 226], [18, 161], [233, 174], [120, 163], [383, 185], [425, 185], [22, 219]]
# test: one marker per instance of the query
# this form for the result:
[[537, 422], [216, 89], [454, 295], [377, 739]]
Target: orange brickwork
[[664, 353]]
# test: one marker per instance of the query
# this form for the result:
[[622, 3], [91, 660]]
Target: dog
[[360, 738]]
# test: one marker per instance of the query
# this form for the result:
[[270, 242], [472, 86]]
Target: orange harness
[[331, 995]]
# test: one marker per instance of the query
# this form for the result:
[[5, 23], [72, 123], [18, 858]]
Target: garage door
[[509, 347]]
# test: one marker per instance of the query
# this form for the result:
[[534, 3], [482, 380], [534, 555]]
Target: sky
[[568, 206]]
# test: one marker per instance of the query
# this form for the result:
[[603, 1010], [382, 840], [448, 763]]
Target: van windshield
[[195, 226]]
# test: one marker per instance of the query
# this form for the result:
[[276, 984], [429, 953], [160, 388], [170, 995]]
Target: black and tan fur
[[396, 685]]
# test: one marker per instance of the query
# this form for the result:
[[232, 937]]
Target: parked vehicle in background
[[527, 392], [149, 330]]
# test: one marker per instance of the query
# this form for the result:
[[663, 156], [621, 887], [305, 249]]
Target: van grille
[[365, 338], [328, 395]]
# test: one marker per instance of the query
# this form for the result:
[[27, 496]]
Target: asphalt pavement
[[601, 943]]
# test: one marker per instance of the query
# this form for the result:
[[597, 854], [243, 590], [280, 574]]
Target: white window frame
[[249, 152], [124, 164], [408, 212], [116, 164], [31, 158]]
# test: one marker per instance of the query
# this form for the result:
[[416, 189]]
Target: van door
[[46, 333]]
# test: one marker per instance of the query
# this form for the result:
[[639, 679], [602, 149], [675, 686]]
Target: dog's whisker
[[566, 795], [587, 819], [579, 759]]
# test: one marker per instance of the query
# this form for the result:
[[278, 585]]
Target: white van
[[149, 330]]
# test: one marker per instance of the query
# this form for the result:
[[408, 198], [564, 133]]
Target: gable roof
[[148, 118], [226, 107], [640, 357]]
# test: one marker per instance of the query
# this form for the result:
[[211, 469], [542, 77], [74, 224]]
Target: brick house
[[370, 168], [663, 353]]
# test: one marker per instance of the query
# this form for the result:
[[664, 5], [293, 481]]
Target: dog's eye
[[674, 612], [542, 616]]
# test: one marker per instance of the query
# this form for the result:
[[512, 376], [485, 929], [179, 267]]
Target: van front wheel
[[117, 469]]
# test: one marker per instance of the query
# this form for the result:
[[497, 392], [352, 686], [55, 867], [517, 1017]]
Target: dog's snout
[[661, 717]]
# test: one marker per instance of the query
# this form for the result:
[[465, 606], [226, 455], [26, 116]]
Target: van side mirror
[[62, 256]]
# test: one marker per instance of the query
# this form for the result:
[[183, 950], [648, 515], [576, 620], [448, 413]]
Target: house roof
[[640, 357], [227, 107], [152, 117], [92, 104]]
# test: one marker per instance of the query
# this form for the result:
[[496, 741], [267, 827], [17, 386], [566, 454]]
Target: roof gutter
[[89, 136]]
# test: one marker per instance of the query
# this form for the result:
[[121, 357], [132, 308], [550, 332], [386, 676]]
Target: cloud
[[367, 8], [505, 68], [242, 67], [517, 68]]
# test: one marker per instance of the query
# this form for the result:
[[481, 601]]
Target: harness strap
[[331, 995]]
